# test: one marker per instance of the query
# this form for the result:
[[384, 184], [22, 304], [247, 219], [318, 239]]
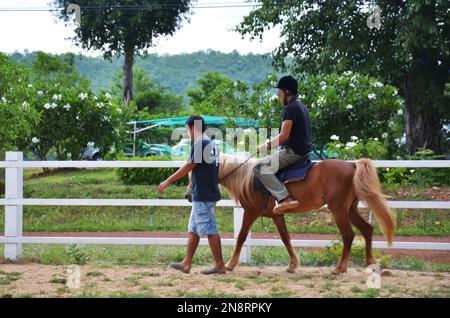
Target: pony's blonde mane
[[239, 183]]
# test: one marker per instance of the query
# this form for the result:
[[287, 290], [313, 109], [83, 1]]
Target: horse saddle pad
[[295, 172]]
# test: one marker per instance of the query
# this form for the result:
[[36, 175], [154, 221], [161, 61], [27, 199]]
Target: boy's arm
[[180, 173], [285, 132]]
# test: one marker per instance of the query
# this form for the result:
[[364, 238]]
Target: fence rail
[[14, 202]]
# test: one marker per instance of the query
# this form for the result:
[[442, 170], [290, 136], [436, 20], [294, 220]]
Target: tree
[[73, 116], [409, 50], [151, 97], [124, 27], [17, 114]]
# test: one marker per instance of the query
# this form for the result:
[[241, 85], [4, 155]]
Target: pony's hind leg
[[284, 234], [341, 217], [366, 230], [247, 223]]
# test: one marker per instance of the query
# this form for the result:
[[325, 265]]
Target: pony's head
[[238, 182]]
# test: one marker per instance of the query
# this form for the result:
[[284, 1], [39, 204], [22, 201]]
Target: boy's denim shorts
[[202, 221]]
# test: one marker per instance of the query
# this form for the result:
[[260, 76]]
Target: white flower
[[324, 87], [83, 96], [395, 92], [47, 106], [347, 73], [384, 135], [354, 138], [119, 110], [400, 112], [35, 140], [301, 96], [274, 98], [322, 83], [378, 84], [321, 100], [24, 104], [91, 144], [108, 95], [53, 105], [29, 85], [352, 85], [57, 97], [78, 117], [349, 106], [338, 145], [376, 139], [350, 144], [260, 114], [105, 118], [40, 93], [69, 155], [334, 137], [412, 170], [397, 140], [95, 97], [372, 96], [113, 150], [4, 99], [66, 106]]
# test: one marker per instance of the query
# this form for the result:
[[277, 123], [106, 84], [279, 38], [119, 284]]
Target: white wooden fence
[[14, 202]]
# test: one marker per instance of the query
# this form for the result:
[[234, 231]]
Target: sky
[[207, 29]]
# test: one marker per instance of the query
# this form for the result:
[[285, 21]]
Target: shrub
[[148, 175]]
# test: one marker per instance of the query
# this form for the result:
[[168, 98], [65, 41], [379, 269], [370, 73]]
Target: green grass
[[104, 183], [6, 278]]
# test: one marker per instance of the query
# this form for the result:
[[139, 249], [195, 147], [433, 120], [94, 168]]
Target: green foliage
[[148, 175], [420, 177], [409, 50], [351, 104], [150, 97], [17, 114], [73, 116], [356, 149], [176, 72], [76, 254]]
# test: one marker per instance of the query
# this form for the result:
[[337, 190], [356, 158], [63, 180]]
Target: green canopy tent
[[181, 121]]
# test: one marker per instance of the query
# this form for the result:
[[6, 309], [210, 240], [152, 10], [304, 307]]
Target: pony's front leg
[[247, 223]]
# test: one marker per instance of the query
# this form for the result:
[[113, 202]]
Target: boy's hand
[[162, 186]]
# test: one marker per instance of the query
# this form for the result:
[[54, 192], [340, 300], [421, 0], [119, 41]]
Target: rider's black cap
[[288, 83]]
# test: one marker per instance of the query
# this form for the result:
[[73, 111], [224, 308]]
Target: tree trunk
[[423, 128], [128, 76]]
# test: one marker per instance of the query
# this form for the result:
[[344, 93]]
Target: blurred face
[[190, 131], [282, 96]]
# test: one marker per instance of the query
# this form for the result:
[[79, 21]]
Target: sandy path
[[37, 280]]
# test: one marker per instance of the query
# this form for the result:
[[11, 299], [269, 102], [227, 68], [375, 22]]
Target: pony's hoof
[[229, 268], [290, 270], [338, 271]]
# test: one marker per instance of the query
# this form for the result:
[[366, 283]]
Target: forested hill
[[176, 72]]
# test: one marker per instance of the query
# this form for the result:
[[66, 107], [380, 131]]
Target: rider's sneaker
[[285, 205]]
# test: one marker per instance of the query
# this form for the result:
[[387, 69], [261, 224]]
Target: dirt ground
[[35, 280]]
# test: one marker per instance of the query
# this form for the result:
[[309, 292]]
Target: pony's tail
[[367, 188]]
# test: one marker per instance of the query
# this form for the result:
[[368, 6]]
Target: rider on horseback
[[295, 141]]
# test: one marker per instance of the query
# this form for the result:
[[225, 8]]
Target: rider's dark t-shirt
[[300, 137], [205, 175]]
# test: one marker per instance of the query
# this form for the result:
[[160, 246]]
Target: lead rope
[[240, 165]]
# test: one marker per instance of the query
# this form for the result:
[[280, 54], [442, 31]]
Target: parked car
[[144, 149]]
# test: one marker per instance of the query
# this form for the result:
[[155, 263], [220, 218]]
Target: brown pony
[[338, 183]]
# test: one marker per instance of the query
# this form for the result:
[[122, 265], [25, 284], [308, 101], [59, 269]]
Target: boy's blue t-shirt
[[205, 175]]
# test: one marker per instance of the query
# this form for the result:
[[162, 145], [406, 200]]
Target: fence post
[[13, 213], [246, 253]]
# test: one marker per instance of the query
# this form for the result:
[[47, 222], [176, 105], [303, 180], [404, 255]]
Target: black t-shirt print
[[205, 175], [300, 137]]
